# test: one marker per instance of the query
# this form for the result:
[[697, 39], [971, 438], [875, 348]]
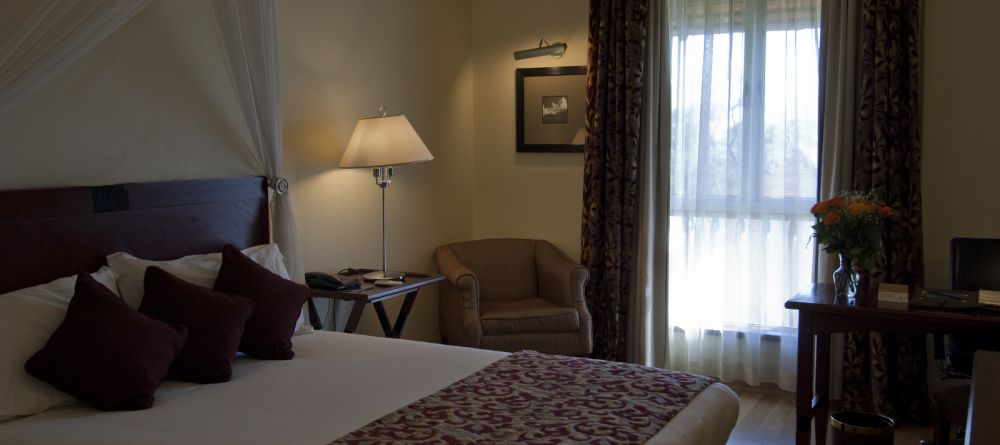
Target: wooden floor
[[767, 417]]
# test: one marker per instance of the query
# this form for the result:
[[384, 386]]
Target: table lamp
[[380, 143]]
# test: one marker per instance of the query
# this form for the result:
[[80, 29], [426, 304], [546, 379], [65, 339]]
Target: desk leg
[[396, 329], [355, 318], [383, 318], [804, 381], [404, 312], [822, 408], [314, 315]]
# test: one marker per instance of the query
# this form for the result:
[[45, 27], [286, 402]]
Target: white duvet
[[335, 384]]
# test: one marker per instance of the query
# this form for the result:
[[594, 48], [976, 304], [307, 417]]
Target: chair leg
[[941, 425]]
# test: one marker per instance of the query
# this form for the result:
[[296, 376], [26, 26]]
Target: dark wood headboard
[[50, 233]]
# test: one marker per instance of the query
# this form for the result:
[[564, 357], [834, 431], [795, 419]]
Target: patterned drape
[[888, 373], [611, 157]]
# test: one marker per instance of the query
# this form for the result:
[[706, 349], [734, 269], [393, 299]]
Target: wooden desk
[[820, 316], [375, 296]]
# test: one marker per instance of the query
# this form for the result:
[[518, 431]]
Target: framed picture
[[550, 109]]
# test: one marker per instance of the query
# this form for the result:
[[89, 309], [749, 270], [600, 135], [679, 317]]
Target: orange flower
[[885, 211], [857, 208], [837, 202], [819, 207], [831, 218]]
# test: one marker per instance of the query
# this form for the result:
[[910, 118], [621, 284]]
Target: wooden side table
[[375, 296]]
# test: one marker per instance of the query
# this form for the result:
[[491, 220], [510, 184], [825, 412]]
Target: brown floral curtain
[[888, 373], [611, 159]]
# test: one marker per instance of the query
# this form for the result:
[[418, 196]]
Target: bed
[[336, 384]]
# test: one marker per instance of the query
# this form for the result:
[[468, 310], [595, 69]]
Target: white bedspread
[[335, 384]]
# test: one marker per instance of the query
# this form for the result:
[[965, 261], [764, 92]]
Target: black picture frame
[[576, 98]]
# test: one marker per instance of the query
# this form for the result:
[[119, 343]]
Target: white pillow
[[28, 317], [198, 269]]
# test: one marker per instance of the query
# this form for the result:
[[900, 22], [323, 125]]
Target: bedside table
[[375, 296]]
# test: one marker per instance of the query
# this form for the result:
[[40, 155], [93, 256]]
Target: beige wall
[[152, 102], [529, 195], [448, 66], [961, 111], [340, 61]]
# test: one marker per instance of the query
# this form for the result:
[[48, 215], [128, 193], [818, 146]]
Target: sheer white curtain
[[743, 169], [40, 38], [249, 33]]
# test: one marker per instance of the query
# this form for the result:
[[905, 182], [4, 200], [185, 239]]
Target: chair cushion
[[953, 402], [526, 315], [505, 268]]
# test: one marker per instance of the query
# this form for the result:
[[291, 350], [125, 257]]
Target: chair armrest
[[454, 271], [458, 300], [561, 281]]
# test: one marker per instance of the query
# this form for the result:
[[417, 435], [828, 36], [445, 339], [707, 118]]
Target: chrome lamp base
[[384, 275]]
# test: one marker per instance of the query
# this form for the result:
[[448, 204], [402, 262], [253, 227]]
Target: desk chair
[[975, 265]]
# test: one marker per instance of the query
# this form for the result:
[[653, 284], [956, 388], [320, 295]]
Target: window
[[744, 129]]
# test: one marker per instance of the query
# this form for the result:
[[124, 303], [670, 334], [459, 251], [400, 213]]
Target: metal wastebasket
[[856, 428]]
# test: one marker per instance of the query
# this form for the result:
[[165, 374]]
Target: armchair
[[513, 294]]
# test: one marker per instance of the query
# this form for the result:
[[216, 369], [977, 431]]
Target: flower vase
[[844, 285], [863, 295]]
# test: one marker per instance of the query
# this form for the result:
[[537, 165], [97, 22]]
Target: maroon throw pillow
[[214, 322], [105, 353], [269, 330]]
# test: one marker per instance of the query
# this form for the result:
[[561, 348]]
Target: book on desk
[[898, 294], [954, 299], [989, 299]]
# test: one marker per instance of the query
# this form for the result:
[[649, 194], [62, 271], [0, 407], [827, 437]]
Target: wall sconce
[[544, 49]]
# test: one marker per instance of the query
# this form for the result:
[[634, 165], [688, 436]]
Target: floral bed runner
[[533, 398]]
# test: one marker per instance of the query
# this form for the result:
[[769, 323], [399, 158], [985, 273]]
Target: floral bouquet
[[850, 224]]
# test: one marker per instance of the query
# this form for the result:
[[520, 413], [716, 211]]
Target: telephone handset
[[320, 280]]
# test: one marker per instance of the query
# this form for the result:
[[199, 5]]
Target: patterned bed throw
[[533, 398]]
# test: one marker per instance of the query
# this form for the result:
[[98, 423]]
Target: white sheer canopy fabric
[[743, 168], [41, 38], [249, 33]]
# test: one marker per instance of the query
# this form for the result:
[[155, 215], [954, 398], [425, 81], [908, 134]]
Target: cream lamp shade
[[384, 141]]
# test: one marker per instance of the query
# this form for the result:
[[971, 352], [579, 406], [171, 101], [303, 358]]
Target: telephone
[[320, 280]]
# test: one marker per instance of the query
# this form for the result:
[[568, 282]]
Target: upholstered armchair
[[513, 294]]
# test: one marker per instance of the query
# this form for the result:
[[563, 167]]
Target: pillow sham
[[197, 269], [214, 323], [105, 353], [28, 317], [278, 302]]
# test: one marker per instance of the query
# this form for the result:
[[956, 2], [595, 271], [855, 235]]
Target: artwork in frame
[[550, 109]]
